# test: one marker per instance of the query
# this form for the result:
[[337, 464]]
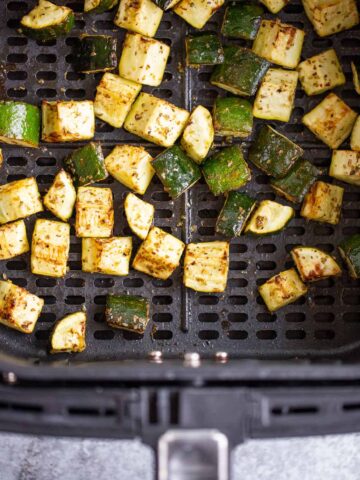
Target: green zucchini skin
[[232, 116], [226, 170], [273, 153], [234, 214], [176, 171], [204, 49], [96, 53], [103, 6], [19, 123], [242, 21], [127, 312], [350, 252], [295, 185], [52, 32], [241, 72], [166, 4], [86, 164]]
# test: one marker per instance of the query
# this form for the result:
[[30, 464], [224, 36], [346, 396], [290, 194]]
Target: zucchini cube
[[232, 117], [114, 97], [234, 214], [242, 21], [329, 17], [198, 135], [106, 255], [143, 59], [345, 166], [67, 121], [197, 12], [313, 264], [226, 170], [19, 309], [321, 72], [274, 6], [279, 43], [131, 166], [19, 124], [99, 6], [50, 248], [159, 254], [241, 72], [331, 120], [156, 120], [19, 199], [68, 334], [273, 153], [282, 289], [13, 240], [349, 250], [142, 16], [276, 95], [127, 312], [61, 196], [166, 4], [355, 136], [355, 68], [139, 215], [86, 164], [323, 203], [206, 266], [94, 212], [176, 171], [204, 49], [96, 53], [268, 218]]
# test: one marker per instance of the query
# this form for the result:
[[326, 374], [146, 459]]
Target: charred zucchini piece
[[139, 215], [127, 312], [355, 136], [19, 309], [234, 214], [331, 120], [61, 196], [19, 199], [274, 6], [166, 4], [94, 212], [142, 16], [47, 21], [356, 76], [314, 264], [68, 335], [198, 135], [273, 153], [242, 20], [226, 170], [197, 12], [19, 124], [350, 252], [241, 72], [323, 203], [86, 164], [96, 53], [232, 117], [99, 6], [345, 166], [284, 288], [204, 49], [269, 217], [106, 255], [331, 16], [176, 171], [13, 240]]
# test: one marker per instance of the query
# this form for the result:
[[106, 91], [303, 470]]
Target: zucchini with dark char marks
[[86, 164], [313, 264], [96, 53], [232, 116], [19, 124], [237, 209], [99, 6], [69, 334], [242, 21], [127, 312], [204, 49], [349, 250]]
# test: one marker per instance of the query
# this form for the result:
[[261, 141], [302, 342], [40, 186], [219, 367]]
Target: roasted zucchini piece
[[114, 97], [96, 53], [284, 288], [204, 49], [61, 196], [242, 20], [143, 59], [67, 121], [226, 170], [13, 240], [139, 215], [349, 250], [19, 309], [269, 217], [94, 212], [323, 203], [156, 120], [279, 43], [235, 213], [274, 6], [19, 199], [345, 166], [99, 6], [314, 264], [159, 254], [86, 164], [241, 72], [197, 12], [331, 16], [1, 158], [142, 16], [166, 4], [19, 124], [206, 266], [68, 334], [106, 255], [47, 21], [296, 182], [356, 76], [331, 120], [276, 95], [176, 171], [273, 153], [232, 117], [321, 72], [131, 166], [355, 136], [127, 312], [198, 135]]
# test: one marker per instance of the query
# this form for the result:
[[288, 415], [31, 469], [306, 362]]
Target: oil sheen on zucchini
[[96, 53], [234, 214], [19, 124], [242, 21], [204, 49], [232, 116], [127, 312], [350, 252], [86, 164]]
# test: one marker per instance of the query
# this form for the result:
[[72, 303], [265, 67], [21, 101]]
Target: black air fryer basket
[[218, 361]]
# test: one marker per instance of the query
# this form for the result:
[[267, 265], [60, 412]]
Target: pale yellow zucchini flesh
[[142, 16], [198, 135], [110, 256], [139, 215], [68, 335], [94, 212], [197, 12], [13, 240], [345, 166], [323, 203], [19, 199], [61, 196], [314, 264]]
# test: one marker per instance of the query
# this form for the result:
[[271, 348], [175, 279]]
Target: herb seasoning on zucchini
[[350, 252], [13, 240], [19, 199], [139, 215], [198, 135], [99, 6], [96, 53], [242, 21], [232, 117], [61, 196], [204, 49], [69, 334], [313, 264], [19, 124], [323, 203], [140, 16], [329, 17], [268, 218], [86, 164], [236, 210], [127, 312], [345, 166]]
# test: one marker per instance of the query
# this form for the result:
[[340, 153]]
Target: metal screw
[[10, 377], [221, 357], [155, 356], [192, 359]]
